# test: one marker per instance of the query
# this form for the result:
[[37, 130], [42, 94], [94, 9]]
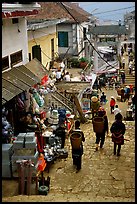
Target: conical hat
[[94, 99]]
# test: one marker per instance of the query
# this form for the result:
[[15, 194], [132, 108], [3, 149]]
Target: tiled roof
[[109, 30], [56, 10]]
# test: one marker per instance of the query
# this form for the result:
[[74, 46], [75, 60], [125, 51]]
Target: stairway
[[60, 101], [130, 79]]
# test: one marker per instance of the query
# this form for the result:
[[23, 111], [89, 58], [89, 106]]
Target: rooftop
[[109, 30], [59, 10]]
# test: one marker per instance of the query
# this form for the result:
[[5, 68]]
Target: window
[[16, 58], [5, 63], [63, 39], [15, 20], [84, 34]]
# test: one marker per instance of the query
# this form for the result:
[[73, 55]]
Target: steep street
[[103, 177]]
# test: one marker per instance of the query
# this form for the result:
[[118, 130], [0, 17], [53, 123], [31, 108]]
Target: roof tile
[[56, 10]]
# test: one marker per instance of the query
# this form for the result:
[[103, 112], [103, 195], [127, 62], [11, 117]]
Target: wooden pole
[[78, 106]]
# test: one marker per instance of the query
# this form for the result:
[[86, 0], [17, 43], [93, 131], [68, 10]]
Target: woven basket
[[98, 124], [76, 139]]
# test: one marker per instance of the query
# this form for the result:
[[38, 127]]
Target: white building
[[14, 33]]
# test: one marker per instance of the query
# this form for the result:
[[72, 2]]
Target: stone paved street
[[103, 177]]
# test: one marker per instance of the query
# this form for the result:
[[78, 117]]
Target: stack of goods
[[7, 130], [54, 117], [25, 148], [62, 115], [7, 152]]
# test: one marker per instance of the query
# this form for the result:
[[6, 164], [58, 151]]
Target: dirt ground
[[64, 180]]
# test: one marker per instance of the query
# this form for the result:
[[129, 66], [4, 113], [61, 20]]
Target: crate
[[20, 136], [7, 152], [15, 157], [6, 170], [29, 138], [32, 134], [24, 151], [31, 144], [18, 144]]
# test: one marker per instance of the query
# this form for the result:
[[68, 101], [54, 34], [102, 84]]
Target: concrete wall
[[43, 38], [66, 28], [14, 41]]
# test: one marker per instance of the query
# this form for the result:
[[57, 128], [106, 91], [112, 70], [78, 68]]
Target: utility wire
[[37, 44], [114, 10], [85, 36]]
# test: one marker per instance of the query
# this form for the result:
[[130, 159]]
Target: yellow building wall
[[45, 45]]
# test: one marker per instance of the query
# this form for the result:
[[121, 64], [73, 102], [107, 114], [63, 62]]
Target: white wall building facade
[[14, 33]]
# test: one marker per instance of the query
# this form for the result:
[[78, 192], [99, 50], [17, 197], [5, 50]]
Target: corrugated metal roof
[[37, 68], [9, 91], [27, 72], [21, 78], [15, 80], [108, 30]]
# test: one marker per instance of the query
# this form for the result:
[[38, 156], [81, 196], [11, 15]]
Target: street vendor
[[61, 133]]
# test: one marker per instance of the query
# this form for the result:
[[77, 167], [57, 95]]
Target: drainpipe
[[95, 55], [119, 54]]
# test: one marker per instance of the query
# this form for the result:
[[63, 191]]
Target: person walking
[[116, 110], [103, 99], [77, 153], [122, 51], [127, 93], [58, 75], [123, 77], [95, 104], [118, 130], [125, 47], [112, 104], [122, 94], [100, 137], [130, 67], [123, 63], [99, 84]]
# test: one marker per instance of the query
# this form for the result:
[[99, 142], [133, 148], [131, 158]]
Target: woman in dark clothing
[[61, 133], [103, 98], [100, 137], [77, 153], [118, 130]]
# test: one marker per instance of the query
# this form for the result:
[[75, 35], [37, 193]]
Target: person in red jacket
[[112, 104]]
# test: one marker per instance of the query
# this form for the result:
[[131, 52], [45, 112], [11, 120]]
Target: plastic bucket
[[76, 139], [98, 124]]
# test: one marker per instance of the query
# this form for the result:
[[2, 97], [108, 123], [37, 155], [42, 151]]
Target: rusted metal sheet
[[9, 90], [37, 68], [73, 87], [28, 73], [15, 80]]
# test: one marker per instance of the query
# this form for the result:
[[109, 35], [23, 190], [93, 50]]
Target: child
[[112, 104], [116, 110]]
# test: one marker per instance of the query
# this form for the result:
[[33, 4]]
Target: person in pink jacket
[[112, 104]]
